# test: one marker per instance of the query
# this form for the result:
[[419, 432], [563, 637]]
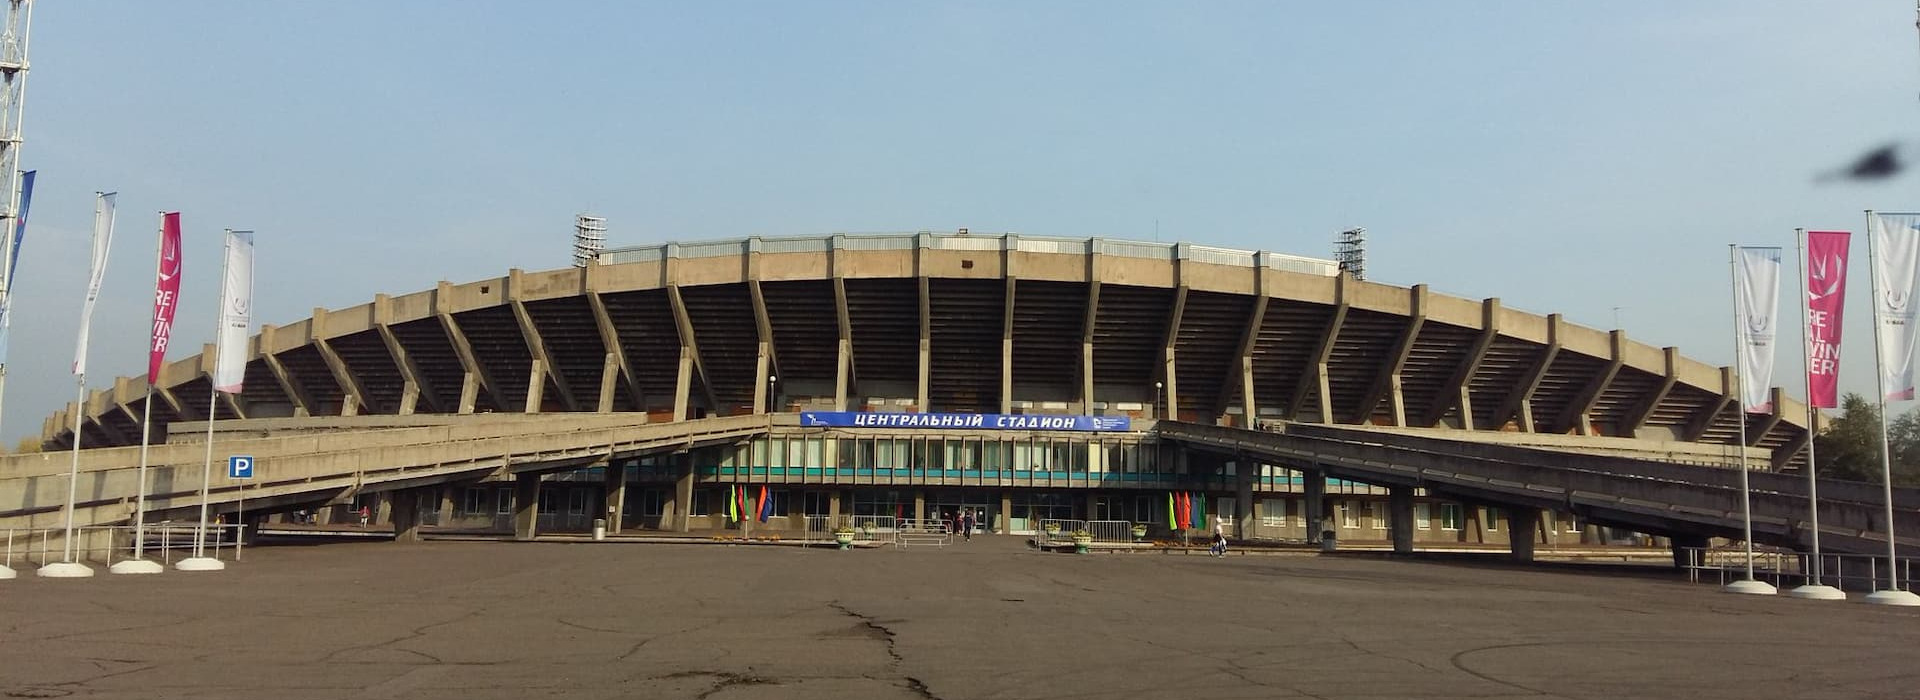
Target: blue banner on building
[[963, 421]]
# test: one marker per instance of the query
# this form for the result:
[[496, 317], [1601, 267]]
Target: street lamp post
[[1157, 387]]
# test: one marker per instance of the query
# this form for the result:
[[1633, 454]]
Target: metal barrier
[[111, 544], [872, 528], [1848, 572], [922, 532]]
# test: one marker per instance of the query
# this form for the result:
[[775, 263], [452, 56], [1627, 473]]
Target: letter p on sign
[[239, 467]]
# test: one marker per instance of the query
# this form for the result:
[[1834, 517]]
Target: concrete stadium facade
[[962, 323]]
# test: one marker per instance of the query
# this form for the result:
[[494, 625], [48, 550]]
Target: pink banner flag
[[1826, 303], [166, 293]]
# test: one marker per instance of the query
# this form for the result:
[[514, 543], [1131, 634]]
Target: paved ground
[[987, 619]]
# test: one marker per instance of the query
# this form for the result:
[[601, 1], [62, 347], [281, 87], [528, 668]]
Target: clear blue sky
[[1564, 156]]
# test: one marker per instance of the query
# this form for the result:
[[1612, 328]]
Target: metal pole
[[1880, 379], [140, 492], [213, 404], [10, 160], [1813, 411], [1740, 462], [73, 468]]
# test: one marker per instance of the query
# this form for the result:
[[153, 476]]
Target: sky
[[1591, 159]]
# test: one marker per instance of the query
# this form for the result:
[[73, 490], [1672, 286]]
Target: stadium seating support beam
[[1386, 385], [418, 386], [1314, 375], [1576, 416], [1631, 422], [1520, 401], [537, 347], [1456, 392], [477, 374], [353, 393]]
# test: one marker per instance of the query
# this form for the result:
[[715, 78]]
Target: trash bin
[[599, 529], [1327, 541]]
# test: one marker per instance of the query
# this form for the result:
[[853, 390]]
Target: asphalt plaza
[[986, 619]]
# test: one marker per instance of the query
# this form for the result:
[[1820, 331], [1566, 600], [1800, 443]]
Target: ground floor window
[[504, 501], [883, 503], [1377, 515], [1450, 516], [1490, 519], [817, 503], [549, 502], [577, 502], [652, 503], [1350, 514], [779, 501], [1423, 516], [1273, 512], [702, 502], [475, 501]]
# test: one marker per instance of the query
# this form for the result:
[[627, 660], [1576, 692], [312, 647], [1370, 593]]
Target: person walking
[[966, 524]]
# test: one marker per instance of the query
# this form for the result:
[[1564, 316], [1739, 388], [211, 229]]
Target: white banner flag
[[1757, 310], [102, 241], [1896, 250], [236, 313]]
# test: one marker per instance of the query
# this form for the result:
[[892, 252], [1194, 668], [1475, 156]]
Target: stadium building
[[914, 374]]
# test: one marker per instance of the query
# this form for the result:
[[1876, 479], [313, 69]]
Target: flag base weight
[[200, 564], [7, 572], [136, 566], [65, 569], [1817, 592], [1893, 598], [1751, 587]]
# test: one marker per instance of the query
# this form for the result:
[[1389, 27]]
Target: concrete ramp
[[328, 465]]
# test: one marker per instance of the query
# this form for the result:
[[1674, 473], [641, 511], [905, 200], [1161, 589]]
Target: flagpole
[[1814, 588], [99, 244], [200, 561], [1748, 584], [139, 564], [1893, 595]]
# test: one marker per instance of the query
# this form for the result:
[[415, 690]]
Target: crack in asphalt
[[919, 687]]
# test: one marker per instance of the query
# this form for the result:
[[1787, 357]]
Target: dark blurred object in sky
[[1878, 164]]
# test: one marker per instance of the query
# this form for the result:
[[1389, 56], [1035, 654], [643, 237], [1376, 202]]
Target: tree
[[1850, 447], [26, 445]]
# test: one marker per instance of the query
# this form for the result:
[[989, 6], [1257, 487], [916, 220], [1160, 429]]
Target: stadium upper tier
[[960, 323]]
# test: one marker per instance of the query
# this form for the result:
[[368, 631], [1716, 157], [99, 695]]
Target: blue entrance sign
[[240, 467], [962, 421]]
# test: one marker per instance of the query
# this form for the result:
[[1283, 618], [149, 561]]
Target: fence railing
[[111, 544], [1848, 572]]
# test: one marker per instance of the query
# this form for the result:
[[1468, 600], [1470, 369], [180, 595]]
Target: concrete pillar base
[[1400, 518]]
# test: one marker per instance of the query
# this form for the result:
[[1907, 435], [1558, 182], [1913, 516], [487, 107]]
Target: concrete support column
[[1005, 518], [614, 486], [406, 514], [1316, 501], [919, 505], [526, 506], [1244, 520], [1681, 542], [683, 494], [383, 507], [1400, 518], [1523, 525], [445, 516], [833, 507]]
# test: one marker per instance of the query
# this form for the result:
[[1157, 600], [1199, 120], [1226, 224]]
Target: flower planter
[[1139, 533], [1080, 543], [845, 539], [1051, 530]]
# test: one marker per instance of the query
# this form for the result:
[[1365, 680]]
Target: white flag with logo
[[236, 313], [102, 241], [1896, 250], [1757, 310]]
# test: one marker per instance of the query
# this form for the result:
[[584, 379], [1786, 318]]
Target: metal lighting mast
[[1350, 250], [589, 238], [13, 101]]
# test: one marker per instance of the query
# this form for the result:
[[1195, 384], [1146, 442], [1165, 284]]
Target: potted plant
[[1139, 532], [1081, 538], [844, 536], [1052, 529], [867, 527]]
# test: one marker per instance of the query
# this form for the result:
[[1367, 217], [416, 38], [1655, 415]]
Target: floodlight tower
[[1350, 250], [13, 99], [589, 238]]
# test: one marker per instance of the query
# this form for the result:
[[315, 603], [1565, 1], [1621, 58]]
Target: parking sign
[[240, 467]]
